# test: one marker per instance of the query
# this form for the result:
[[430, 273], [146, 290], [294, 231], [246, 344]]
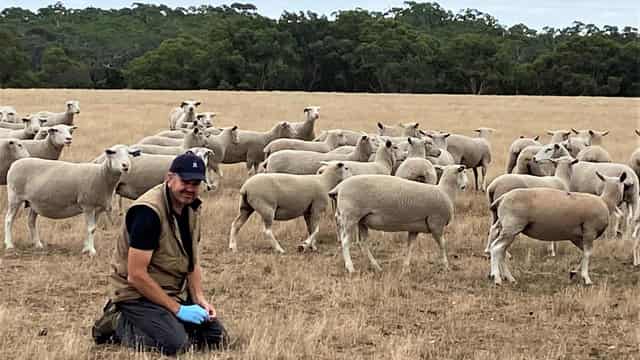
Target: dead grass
[[304, 305]]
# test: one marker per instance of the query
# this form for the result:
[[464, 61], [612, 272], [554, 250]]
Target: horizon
[[545, 13]]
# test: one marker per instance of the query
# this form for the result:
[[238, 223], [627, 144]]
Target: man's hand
[[208, 308], [192, 313]]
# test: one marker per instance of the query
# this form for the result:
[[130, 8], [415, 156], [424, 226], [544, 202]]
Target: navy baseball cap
[[188, 166]]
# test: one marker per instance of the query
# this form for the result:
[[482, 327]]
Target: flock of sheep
[[399, 179]]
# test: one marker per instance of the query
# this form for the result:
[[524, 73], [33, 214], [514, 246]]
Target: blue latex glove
[[192, 313]]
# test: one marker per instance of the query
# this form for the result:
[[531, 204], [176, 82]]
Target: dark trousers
[[146, 325]]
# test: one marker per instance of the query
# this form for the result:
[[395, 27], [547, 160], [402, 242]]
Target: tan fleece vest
[[169, 263]]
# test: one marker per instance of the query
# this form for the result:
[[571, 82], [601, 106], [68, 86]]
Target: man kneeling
[[158, 301]]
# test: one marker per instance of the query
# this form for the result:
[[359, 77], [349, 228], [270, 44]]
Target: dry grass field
[[305, 306]]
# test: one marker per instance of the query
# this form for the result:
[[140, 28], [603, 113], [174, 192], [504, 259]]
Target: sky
[[535, 14]]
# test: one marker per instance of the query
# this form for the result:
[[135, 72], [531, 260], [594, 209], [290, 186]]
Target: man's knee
[[172, 343]]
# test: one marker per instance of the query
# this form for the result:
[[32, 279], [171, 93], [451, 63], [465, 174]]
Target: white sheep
[[334, 139], [8, 114], [51, 147], [583, 179], [594, 153], [552, 215], [472, 153], [416, 167], [72, 108], [219, 145], [634, 160], [389, 203], [440, 142], [186, 112], [593, 136], [516, 147], [400, 130], [558, 136], [194, 138], [529, 163], [382, 164], [250, 147], [561, 180], [59, 189], [10, 151], [351, 137], [31, 126], [308, 162], [304, 130], [285, 197], [575, 144]]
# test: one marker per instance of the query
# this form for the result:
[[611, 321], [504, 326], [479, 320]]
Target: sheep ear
[[52, 130], [575, 161], [197, 103], [307, 109], [599, 176], [623, 176], [605, 133], [521, 137], [380, 126], [135, 152], [388, 143], [476, 130], [324, 163], [438, 167], [42, 120], [183, 104], [637, 132], [536, 138], [575, 131], [409, 140], [340, 164], [72, 128], [556, 146], [461, 168], [109, 152], [416, 125], [591, 132], [199, 117], [446, 135], [235, 127]]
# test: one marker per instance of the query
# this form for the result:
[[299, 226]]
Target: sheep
[[440, 142], [416, 167], [286, 197], [304, 130], [179, 134], [8, 114], [59, 189], [403, 130], [334, 139], [186, 112], [204, 118], [308, 162], [552, 215], [219, 144], [593, 136], [515, 149], [10, 151], [51, 147], [31, 126], [385, 158], [194, 138], [149, 170], [594, 153], [161, 141], [351, 137], [575, 144], [72, 108], [472, 152], [250, 147], [583, 179], [558, 136], [389, 203], [561, 180], [529, 163]]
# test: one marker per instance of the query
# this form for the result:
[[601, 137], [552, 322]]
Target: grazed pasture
[[304, 305]]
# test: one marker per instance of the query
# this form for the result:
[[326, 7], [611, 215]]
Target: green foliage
[[419, 47]]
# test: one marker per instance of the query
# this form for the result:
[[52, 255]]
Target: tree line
[[416, 48]]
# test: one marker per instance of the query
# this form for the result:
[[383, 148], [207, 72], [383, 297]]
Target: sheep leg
[[484, 177], [475, 177], [364, 246], [411, 242], [498, 249], [494, 231], [12, 211], [33, 229], [312, 228], [347, 234], [236, 225], [90, 218], [551, 249], [636, 243], [437, 230], [587, 249]]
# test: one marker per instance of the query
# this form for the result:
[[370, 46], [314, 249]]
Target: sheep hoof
[[302, 248], [618, 234], [39, 245], [91, 251], [572, 275]]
